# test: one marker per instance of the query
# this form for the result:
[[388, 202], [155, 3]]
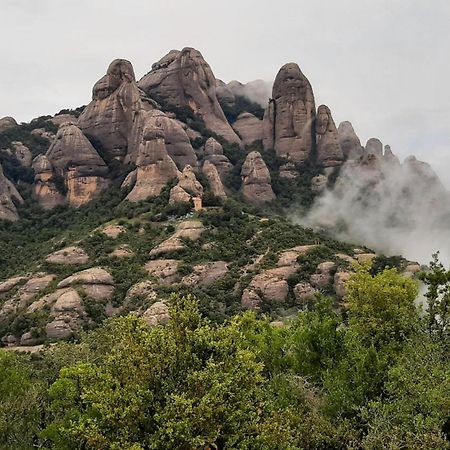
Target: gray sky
[[382, 64]]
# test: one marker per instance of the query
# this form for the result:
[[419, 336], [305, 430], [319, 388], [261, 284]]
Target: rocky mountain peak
[[185, 79], [289, 118], [329, 151]]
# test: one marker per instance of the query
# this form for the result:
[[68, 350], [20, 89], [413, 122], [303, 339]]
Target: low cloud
[[396, 209]]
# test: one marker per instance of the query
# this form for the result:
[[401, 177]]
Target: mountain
[[179, 182]]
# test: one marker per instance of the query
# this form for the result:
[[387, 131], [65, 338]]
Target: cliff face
[[8, 194], [290, 115], [114, 110], [184, 79]]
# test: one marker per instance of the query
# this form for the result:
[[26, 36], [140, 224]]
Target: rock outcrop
[[154, 166], [215, 183], [248, 127], [349, 141], [289, 118], [213, 153], [68, 255], [75, 161], [374, 147], [256, 179], [45, 188], [95, 282], [184, 79], [22, 153], [329, 152], [178, 144], [8, 195], [7, 123], [115, 111], [188, 229], [187, 187]]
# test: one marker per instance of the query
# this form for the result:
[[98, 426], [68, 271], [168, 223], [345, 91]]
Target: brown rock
[[329, 152], [68, 255], [349, 141], [8, 194], [206, 274], [123, 251], [44, 187], [188, 229], [184, 79], [157, 314], [177, 142], [34, 286], [144, 289], [289, 119], [164, 270], [154, 166], [248, 127], [323, 275], [289, 257], [95, 282], [304, 293], [256, 179], [188, 182], [10, 284], [22, 153], [214, 154], [113, 231], [113, 116], [74, 159], [215, 183], [340, 278], [7, 123], [374, 147], [179, 195]]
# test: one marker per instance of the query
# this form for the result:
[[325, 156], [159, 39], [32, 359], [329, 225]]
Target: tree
[[184, 385], [381, 307], [20, 402], [438, 296]]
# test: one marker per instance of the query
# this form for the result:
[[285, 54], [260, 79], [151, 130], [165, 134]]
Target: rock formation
[[329, 152], [349, 141], [154, 166], [178, 144], [289, 118], [7, 123], [214, 154], [22, 153], [187, 187], [374, 147], [8, 195], [248, 127], [114, 113], [389, 157], [256, 179], [45, 190], [215, 183], [184, 79], [74, 160]]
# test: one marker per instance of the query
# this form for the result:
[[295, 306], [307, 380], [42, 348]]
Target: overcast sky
[[382, 64]]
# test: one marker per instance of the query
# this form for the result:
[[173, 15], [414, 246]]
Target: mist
[[393, 208], [258, 91]]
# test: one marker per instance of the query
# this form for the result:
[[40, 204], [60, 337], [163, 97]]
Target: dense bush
[[374, 381]]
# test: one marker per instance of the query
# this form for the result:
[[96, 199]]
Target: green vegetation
[[375, 377]]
